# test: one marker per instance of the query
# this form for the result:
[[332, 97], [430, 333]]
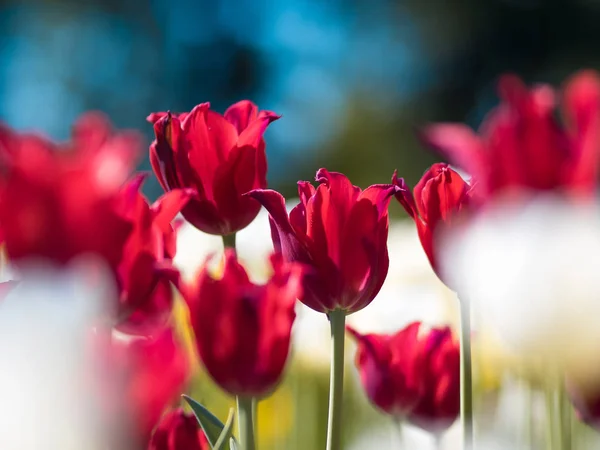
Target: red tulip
[[439, 404], [438, 197], [522, 146], [221, 157], [178, 430], [145, 292], [340, 232], [58, 201], [243, 330], [137, 379], [412, 377]]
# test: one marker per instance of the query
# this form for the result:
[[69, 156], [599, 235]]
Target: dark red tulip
[[523, 146], [220, 157], [243, 330], [439, 404], [178, 430], [412, 375], [57, 202], [390, 369], [145, 292], [438, 198], [136, 379], [340, 233]]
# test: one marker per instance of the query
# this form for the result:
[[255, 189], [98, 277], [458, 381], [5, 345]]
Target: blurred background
[[352, 78]]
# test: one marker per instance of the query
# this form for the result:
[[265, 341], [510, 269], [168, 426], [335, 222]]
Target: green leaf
[[223, 442], [212, 427]]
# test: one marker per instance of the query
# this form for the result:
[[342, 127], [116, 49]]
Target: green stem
[[337, 321], [245, 425], [229, 240], [529, 418], [255, 414], [549, 400], [466, 375], [398, 435], [565, 419]]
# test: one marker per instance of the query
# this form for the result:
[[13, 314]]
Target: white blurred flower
[[44, 325], [531, 272]]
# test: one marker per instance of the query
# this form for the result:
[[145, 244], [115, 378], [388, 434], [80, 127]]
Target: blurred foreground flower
[[44, 324], [340, 232], [412, 375], [243, 330], [137, 378], [178, 430], [530, 270], [44, 211], [522, 146], [221, 157]]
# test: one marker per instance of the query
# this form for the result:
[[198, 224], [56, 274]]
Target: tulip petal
[[286, 239], [582, 111], [241, 114], [255, 130], [405, 196], [209, 139], [169, 205], [168, 160], [363, 257]]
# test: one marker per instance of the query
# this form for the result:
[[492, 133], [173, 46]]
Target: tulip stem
[[565, 419], [549, 404], [466, 376], [337, 320], [229, 240], [255, 413], [245, 425]]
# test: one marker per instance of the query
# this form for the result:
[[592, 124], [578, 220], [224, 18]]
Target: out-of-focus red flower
[[136, 379], [145, 292], [439, 404], [585, 398], [58, 201], [412, 376], [178, 430], [438, 197], [390, 369], [340, 232], [221, 157], [243, 330], [522, 146]]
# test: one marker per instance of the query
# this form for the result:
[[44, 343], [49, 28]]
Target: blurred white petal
[[44, 326], [531, 271]]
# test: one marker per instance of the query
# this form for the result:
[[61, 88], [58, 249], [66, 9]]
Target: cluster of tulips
[[60, 202]]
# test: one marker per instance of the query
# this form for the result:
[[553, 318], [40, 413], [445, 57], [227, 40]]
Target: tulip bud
[[220, 157], [340, 233], [178, 430]]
